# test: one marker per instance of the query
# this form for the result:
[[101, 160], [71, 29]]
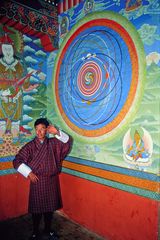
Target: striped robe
[[45, 160]]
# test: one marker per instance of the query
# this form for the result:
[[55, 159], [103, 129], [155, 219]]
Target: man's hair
[[41, 121]]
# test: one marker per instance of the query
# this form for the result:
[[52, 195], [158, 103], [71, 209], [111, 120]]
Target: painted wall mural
[[22, 90], [93, 80], [99, 75], [14, 80]]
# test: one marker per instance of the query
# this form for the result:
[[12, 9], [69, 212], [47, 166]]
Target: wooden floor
[[21, 229]]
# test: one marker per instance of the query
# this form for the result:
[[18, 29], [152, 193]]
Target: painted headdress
[[5, 39]]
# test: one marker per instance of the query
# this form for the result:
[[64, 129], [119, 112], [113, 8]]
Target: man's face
[[41, 131]]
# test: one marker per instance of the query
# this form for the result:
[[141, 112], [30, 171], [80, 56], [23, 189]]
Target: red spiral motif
[[89, 78]]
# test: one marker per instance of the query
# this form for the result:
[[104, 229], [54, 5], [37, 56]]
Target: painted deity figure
[[11, 89], [64, 25], [137, 150], [88, 6]]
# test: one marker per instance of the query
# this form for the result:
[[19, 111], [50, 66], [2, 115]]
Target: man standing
[[40, 160]]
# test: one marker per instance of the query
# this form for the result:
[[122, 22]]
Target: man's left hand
[[52, 130]]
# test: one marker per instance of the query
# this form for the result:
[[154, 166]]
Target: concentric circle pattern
[[89, 78], [96, 77]]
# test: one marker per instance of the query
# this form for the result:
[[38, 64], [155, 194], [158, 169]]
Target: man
[[40, 160]]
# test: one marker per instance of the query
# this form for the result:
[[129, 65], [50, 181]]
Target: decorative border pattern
[[136, 182]]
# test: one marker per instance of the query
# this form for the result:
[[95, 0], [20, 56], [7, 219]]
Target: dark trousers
[[36, 218]]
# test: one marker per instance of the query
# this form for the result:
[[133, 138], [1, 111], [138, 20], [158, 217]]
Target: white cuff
[[24, 170], [63, 137]]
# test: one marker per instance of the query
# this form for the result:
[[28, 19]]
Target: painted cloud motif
[[148, 34], [153, 57]]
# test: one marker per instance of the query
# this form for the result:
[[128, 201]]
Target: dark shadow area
[[21, 228]]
